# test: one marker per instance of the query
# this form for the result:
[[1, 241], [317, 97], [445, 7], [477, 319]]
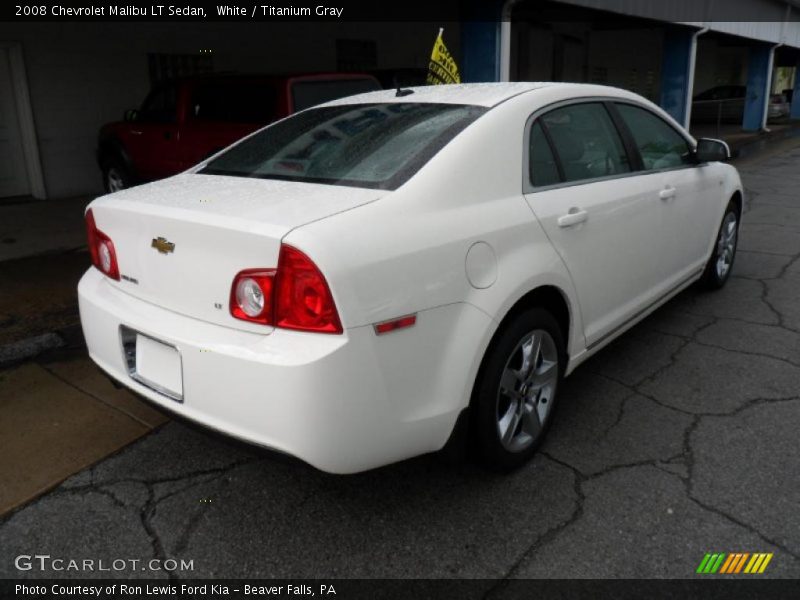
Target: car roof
[[479, 94]]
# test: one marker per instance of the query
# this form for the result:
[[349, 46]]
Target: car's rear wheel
[[516, 391], [719, 266], [116, 177]]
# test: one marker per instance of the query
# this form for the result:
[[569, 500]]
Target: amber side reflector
[[395, 324]]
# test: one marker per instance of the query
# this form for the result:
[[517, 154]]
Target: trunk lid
[[180, 242]]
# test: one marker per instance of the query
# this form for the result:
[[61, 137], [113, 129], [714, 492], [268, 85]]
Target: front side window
[[160, 106], [364, 145], [660, 146], [586, 141]]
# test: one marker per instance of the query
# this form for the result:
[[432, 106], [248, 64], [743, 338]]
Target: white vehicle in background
[[369, 279]]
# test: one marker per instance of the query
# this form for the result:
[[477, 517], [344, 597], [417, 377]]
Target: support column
[[677, 74], [480, 41], [759, 77], [795, 112]]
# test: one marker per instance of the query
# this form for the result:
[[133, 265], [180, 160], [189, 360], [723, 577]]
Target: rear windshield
[[310, 92], [376, 146]]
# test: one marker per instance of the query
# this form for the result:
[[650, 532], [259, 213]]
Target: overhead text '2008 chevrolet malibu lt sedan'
[[369, 279]]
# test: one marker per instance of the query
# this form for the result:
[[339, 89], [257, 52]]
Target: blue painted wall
[[480, 40], [675, 73], [480, 51], [757, 78]]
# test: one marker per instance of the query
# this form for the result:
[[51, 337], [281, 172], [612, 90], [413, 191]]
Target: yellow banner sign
[[442, 67]]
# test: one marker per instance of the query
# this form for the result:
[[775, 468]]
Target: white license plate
[[158, 366]]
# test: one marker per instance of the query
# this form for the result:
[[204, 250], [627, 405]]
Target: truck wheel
[[116, 177]]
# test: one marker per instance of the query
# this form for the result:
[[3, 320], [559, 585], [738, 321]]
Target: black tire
[[720, 264], [491, 403], [116, 176]]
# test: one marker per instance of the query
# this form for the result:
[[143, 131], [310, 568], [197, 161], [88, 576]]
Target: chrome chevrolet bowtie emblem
[[163, 245]]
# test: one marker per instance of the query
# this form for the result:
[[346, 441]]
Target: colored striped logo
[[734, 562]]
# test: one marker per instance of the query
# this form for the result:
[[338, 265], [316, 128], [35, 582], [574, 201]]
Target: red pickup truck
[[184, 121]]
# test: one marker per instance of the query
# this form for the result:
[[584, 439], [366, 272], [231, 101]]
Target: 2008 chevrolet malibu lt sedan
[[397, 272]]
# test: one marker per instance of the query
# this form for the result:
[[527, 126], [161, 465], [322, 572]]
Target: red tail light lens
[[303, 299], [101, 248], [295, 296]]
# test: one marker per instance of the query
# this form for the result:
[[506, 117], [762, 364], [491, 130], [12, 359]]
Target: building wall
[[629, 59], [82, 75], [576, 52], [719, 64]]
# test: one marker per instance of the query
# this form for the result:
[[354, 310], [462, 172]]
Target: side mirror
[[131, 115], [709, 150]]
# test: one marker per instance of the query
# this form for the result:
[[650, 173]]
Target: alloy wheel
[[726, 245], [526, 392]]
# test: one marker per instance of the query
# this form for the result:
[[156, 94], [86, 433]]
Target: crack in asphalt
[[778, 315], [148, 510], [541, 540], [146, 515], [620, 413], [716, 321], [684, 457]]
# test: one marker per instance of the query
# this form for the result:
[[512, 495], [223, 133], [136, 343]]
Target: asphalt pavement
[[679, 439]]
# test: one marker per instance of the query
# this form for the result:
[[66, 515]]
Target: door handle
[[667, 193], [573, 217]]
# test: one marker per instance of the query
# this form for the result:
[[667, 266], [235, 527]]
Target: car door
[[152, 138], [604, 224], [687, 192]]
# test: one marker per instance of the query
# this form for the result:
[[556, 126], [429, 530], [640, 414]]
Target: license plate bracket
[[153, 363]]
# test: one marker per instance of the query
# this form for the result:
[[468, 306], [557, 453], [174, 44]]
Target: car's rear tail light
[[303, 299], [101, 248], [293, 296], [251, 295]]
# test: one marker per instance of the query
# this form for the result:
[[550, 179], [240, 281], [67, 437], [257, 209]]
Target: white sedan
[[397, 272]]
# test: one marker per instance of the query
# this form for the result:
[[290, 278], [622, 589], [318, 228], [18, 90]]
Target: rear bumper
[[342, 403]]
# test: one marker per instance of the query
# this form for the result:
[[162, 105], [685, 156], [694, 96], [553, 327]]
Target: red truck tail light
[[293, 296], [101, 248]]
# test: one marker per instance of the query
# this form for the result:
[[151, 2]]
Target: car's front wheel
[[516, 390], [720, 264]]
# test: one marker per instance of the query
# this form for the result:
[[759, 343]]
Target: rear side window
[[234, 102], [660, 146], [587, 143], [308, 93], [543, 168], [365, 145]]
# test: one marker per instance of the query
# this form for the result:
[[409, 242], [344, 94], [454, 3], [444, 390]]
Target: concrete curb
[[15, 352]]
